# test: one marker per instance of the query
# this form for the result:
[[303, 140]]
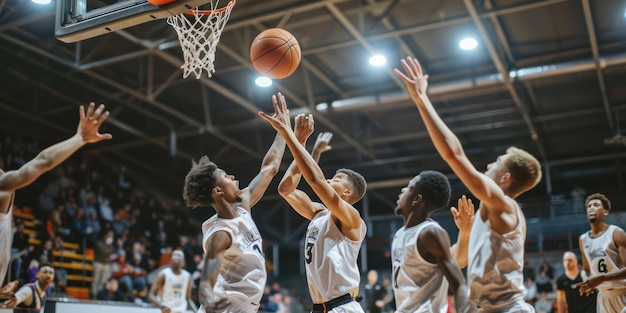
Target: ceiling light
[[263, 81], [468, 43], [378, 60], [41, 1]]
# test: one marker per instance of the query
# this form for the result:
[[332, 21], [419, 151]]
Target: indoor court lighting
[[41, 1], [263, 81], [468, 43], [378, 60]]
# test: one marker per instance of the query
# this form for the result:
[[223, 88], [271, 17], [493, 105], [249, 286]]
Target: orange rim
[[230, 4]]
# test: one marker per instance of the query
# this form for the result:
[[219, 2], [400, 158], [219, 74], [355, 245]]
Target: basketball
[[275, 53]]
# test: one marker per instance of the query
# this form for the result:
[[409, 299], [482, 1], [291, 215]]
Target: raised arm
[[463, 218], [271, 161], [216, 245], [347, 215], [433, 243], [87, 132], [448, 145], [298, 199]]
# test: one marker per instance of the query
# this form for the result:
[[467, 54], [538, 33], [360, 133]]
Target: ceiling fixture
[[41, 1], [263, 81], [468, 43], [378, 60]]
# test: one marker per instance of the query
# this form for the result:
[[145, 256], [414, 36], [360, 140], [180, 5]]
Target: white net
[[199, 34]]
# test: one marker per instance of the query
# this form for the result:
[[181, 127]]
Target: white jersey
[[330, 259], [174, 293], [242, 274], [418, 285], [603, 257], [495, 264], [6, 237]]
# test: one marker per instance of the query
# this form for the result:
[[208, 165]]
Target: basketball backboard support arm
[[74, 23]]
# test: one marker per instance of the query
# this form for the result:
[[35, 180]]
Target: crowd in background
[[99, 207]]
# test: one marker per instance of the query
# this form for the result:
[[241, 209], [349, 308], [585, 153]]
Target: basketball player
[[171, 291], [233, 275], [496, 242], [336, 230], [568, 297], [32, 297], [604, 257], [87, 132], [420, 251]]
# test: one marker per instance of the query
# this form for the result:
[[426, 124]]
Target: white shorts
[[350, 307], [518, 307], [611, 303], [238, 304]]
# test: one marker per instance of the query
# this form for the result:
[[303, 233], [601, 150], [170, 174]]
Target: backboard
[[77, 20]]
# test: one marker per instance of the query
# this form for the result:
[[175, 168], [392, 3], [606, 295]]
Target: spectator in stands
[[93, 224], [20, 239], [544, 284], [530, 290], [568, 297], [543, 305], [25, 300], [547, 268], [102, 262], [123, 272], [20, 242], [140, 265], [111, 291]]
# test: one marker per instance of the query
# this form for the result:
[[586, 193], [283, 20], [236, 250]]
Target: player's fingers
[[90, 109], [455, 212], [81, 112], [275, 103], [408, 69]]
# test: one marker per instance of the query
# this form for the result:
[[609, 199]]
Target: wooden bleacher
[[77, 265]]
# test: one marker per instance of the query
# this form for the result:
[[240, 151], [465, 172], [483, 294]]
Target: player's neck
[[598, 229], [416, 218], [225, 210]]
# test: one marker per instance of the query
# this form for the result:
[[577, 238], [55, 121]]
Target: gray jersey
[[174, 293], [418, 285], [495, 263], [330, 259], [6, 237], [242, 274], [603, 257]]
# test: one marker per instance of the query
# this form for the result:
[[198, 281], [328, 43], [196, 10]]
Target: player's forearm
[[210, 273], [59, 152], [305, 162], [459, 250], [292, 177], [290, 180], [616, 275], [445, 141], [274, 155]]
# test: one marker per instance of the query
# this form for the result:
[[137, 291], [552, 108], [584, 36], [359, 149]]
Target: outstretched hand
[[280, 119], [8, 289], [304, 127], [322, 142], [90, 122], [464, 215], [588, 287], [415, 80]]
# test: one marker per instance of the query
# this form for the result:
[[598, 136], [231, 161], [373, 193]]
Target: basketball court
[[547, 76]]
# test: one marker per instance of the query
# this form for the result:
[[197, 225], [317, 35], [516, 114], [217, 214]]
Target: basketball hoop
[[199, 32]]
